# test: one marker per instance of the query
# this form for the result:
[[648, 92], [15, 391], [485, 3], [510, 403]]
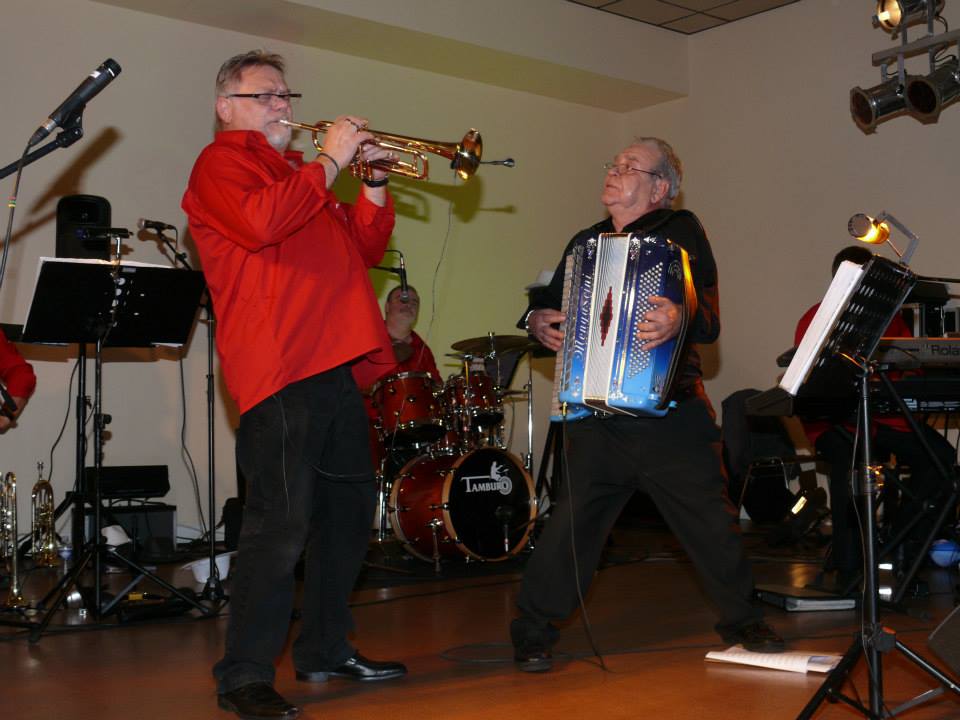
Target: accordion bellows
[[603, 367]]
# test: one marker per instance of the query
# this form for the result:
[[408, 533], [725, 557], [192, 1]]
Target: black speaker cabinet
[[945, 640], [76, 212]]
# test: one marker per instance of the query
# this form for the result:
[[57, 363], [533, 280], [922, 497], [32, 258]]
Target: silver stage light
[[895, 14], [872, 105], [926, 96]]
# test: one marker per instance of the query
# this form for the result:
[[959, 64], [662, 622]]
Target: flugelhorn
[[42, 532], [8, 537], [464, 156]]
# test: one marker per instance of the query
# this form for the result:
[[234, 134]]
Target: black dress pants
[[304, 452], [676, 460]]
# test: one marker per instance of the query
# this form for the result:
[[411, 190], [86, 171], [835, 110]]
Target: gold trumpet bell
[[464, 156]]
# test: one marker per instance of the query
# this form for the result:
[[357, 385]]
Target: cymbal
[[495, 344]]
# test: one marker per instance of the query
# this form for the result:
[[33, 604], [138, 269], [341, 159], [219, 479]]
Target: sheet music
[[844, 284]]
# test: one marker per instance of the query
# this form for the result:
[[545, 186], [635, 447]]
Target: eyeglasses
[[267, 98], [626, 170]]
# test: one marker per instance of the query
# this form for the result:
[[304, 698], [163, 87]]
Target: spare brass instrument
[[8, 537], [43, 533], [464, 156]]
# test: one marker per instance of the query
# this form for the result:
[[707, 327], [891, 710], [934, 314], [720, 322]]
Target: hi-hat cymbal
[[495, 344]]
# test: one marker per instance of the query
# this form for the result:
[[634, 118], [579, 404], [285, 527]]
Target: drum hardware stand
[[86, 302], [435, 524]]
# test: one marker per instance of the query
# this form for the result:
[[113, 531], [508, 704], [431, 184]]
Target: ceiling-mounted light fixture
[[895, 14], [874, 104], [927, 96]]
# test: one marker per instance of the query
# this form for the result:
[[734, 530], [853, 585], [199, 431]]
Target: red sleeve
[[370, 224], [16, 373], [245, 205]]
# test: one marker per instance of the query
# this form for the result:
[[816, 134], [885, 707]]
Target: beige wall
[[775, 167]]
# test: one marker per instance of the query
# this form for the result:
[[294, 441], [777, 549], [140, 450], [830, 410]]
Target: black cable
[[63, 426], [585, 618]]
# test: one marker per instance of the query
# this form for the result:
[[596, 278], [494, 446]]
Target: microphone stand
[[213, 590], [70, 132]]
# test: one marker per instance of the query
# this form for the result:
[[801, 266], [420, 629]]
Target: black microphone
[[92, 233], [404, 289], [506, 162], [144, 224], [85, 92]]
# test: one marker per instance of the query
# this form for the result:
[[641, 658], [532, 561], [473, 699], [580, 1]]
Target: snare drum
[[478, 399], [408, 410], [480, 504]]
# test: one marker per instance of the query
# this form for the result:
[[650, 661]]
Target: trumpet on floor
[[8, 538], [43, 531], [464, 156]]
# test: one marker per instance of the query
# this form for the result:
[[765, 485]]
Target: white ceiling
[[684, 16]]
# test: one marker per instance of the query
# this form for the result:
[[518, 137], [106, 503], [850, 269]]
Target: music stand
[[841, 340], [109, 304]]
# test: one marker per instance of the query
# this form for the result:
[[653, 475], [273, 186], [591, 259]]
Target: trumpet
[[8, 538], [43, 532], [464, 156]]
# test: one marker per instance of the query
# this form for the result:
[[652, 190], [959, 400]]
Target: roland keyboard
[[922, 352]]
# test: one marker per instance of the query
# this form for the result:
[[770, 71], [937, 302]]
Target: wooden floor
[[648, 618]]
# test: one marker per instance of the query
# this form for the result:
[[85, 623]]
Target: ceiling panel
[[685, 16]]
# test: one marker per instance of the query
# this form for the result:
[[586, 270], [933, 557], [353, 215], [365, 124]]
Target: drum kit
[[448, 487]]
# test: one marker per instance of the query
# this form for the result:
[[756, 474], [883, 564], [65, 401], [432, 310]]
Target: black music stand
[[110, 305], [847, 329]]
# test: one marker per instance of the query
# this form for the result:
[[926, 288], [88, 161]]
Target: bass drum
[[481, 504]]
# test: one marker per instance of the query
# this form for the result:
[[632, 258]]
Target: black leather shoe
[[532, 658], [258, 701], [357, 668], [756, 637]]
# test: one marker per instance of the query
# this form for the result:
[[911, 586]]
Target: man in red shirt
[[18, 378], [412, 353], [891, 435], [286, 264]]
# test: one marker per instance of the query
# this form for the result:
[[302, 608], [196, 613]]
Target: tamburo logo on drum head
[[497, 480]]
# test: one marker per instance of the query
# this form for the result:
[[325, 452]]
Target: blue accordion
[[602, 366]]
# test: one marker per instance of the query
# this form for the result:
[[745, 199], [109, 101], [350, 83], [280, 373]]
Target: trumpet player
[[286, 263], [18, 377]]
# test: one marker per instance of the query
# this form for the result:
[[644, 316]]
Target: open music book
[[844, 284], [790, 661]]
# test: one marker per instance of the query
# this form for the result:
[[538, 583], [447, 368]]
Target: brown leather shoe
[[257, 701]]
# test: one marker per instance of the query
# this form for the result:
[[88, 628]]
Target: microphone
[[506, 162], [404, 289], [93, 233], [156, 225], [77, 100]]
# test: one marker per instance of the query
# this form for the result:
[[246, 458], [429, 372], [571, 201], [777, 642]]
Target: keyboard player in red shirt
[[891, 435]]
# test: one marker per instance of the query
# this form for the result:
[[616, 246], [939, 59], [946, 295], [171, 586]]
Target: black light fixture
[[927, 96]]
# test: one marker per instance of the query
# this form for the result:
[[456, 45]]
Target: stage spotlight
[[865, 229], [926, 96], [895, 14], [872, 105], [876, 231]]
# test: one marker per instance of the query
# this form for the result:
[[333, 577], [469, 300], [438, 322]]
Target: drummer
[[411, 351]]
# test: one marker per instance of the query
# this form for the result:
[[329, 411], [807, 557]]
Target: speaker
[[76, 212], [945, 640], [125, 482]]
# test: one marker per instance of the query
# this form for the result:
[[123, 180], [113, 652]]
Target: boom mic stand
[[213, 590]]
